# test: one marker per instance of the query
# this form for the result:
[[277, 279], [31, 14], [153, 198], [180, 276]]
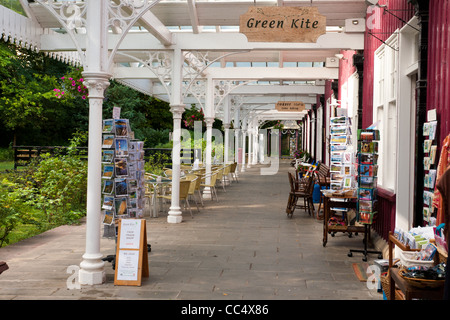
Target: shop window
[[385, 111]]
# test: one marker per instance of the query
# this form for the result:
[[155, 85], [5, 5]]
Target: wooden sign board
[[131, 253], [292, 106], [282, 24]]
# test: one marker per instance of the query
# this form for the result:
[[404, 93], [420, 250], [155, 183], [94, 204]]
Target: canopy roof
[[252, 75]]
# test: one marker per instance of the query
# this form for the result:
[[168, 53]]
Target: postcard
[[426, 129], [108, 217], [120, 205], [121, 187], [108, 141], [426, 163], [108, 125], [108, 171], [336, 177], [348, 182], [121, 167], [336, 156], [367, 206], [108, 202], [367, 182], [427, 145], [368, 147], [335, 168], [347, 170], [341, 139], [366, 194], [121, 127], [121, 145], [367, 170], [433, 150], [365, 217], [432, 130], [108, 186], [107, 156]]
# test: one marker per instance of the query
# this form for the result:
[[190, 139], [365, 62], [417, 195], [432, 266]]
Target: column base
[[174, 215], [207, 193], [92, 270]]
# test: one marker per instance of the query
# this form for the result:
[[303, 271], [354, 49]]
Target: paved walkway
[[241, 247]]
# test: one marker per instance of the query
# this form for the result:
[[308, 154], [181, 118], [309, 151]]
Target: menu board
[[131, 255]]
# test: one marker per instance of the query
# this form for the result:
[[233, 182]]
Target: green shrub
[[60, 188], [10, 213]]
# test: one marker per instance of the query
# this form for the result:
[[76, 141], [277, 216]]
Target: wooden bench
[[3, 266]]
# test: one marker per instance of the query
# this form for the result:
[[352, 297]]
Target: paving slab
[[243, 247]]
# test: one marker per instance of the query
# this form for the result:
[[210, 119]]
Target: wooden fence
[[24, 154]]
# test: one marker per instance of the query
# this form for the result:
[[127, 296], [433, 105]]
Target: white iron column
[[255, 141], [92, 269], [208, 153], [177, 109], [209, 120], [174, 214], [236, 148], [244, 132], [226, 127], [236, 137], [250, 144]]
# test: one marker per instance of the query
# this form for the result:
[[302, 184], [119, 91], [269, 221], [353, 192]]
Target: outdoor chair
[[303, 189], [184, 194], [226, 174], [193, 179], [323, 180], [212, 184], [220, 171], [233, 169]]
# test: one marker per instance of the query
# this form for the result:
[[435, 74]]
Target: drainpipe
[[422, 12], [358, 62]]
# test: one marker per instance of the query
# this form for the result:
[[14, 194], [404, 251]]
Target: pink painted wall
[[438, 88]]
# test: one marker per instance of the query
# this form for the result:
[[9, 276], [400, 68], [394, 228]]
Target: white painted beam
[[243, 74], [266, 74], [227, 42], [193, 16]]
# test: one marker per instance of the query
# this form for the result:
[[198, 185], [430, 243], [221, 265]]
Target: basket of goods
[[424, 277]]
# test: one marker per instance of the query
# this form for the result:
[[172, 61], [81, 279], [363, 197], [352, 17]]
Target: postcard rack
[[123, 176], [341, 153], [367, 203], [429, 165]]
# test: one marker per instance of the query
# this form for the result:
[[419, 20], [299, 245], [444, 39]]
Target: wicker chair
[[184, 194], [212, 184]]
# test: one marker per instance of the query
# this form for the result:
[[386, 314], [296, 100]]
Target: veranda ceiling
[[208, 31]]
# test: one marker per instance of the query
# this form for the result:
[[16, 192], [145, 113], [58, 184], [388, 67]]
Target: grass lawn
[[6, 165]]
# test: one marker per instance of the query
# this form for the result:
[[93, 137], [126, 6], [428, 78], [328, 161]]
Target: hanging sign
[[282, 24], [131, 253], [293, 106]]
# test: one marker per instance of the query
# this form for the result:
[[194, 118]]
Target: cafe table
[[158, 185]]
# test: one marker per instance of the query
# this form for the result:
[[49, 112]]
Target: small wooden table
[[332, 201]]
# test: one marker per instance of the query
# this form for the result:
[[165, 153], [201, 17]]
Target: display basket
[[384, 278], [407, 260], [421, 283]]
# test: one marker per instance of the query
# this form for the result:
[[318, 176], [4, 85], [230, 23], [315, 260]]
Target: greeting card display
[[367, 175], [341, 153], [429, 165], [123, 185]]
